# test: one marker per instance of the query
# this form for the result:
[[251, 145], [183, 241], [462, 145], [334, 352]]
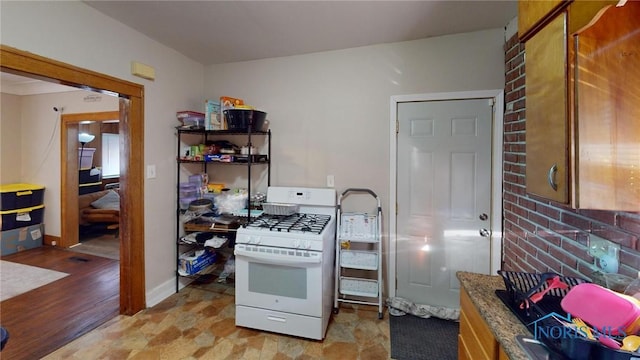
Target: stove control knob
[[296, 244], [257, 240], [307, 244]]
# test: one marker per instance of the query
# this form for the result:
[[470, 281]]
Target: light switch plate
[[151, 171], [330, 181]]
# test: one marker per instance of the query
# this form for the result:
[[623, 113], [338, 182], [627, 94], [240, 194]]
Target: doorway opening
[[72, 169], [131, 103]]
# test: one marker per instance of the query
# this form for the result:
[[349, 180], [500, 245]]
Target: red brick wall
[[540, 235]]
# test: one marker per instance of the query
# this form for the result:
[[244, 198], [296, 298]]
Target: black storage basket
[[518, 286]]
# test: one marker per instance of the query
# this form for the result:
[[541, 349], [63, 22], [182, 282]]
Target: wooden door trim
[[132, 266], [22, 62], [69, 172]]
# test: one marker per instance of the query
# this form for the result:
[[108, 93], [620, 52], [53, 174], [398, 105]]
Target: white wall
[[10, 134], [329, 111], [40, 143], [75, 33]]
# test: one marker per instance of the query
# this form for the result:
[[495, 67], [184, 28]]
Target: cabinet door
[[531, 12], [546, 112], [608, 99], [475, 334]]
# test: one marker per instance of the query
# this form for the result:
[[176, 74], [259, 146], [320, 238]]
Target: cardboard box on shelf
[[192, 262], [28, 237], [213, 117], [228, 102]]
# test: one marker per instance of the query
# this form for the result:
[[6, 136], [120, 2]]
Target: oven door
[[272, 278]]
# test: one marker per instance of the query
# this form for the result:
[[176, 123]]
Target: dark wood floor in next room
[[46, 318]]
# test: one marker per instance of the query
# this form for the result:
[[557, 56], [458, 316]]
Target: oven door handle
[[276, 259]]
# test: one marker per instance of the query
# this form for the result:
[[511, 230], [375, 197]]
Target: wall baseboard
[[51, 240], [161, 292]]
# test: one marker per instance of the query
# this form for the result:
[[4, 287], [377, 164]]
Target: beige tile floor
[[198, 323]]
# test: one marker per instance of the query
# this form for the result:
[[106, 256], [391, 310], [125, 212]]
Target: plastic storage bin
[[188, 190], [86, 157], [12, 219], [90, 176], [191, 118], [20, 196]]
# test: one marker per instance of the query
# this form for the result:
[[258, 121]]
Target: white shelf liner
[[366, 260], [361, 227], [358, 287]]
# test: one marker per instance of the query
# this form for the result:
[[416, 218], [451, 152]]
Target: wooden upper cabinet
[[608, 110], [547, 129], [532, 14], [582, 89]]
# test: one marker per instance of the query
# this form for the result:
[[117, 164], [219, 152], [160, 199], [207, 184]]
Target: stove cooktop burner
[[311, 223]]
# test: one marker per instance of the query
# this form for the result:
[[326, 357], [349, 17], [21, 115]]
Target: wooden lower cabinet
[[476, 341], [502, 355]]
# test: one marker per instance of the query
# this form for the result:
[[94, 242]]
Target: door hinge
[[397, 126], [396, 209]]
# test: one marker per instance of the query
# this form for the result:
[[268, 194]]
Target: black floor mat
[[416, 338]]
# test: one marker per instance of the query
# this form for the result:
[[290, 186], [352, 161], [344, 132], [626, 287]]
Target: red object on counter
[[554, 283]]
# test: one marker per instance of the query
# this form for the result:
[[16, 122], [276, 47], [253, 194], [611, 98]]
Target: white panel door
[[444, 197]]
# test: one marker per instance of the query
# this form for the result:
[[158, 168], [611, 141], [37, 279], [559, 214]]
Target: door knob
[[483, 216], [485, 232]]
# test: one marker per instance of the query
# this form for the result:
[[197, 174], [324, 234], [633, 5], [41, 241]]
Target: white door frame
[[496, 172]]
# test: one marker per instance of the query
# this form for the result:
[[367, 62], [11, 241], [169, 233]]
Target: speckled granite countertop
[[504, 325]]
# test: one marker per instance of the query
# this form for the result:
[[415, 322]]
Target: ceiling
[[214, 32], [20, 85]]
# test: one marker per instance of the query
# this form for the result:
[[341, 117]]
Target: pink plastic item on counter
[[603, 309]]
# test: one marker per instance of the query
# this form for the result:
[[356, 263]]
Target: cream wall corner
[[10, 134], [329, 111]]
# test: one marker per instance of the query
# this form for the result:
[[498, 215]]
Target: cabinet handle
[[551, 177]]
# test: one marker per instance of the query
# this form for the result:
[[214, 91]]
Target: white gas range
[[284, 265]]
